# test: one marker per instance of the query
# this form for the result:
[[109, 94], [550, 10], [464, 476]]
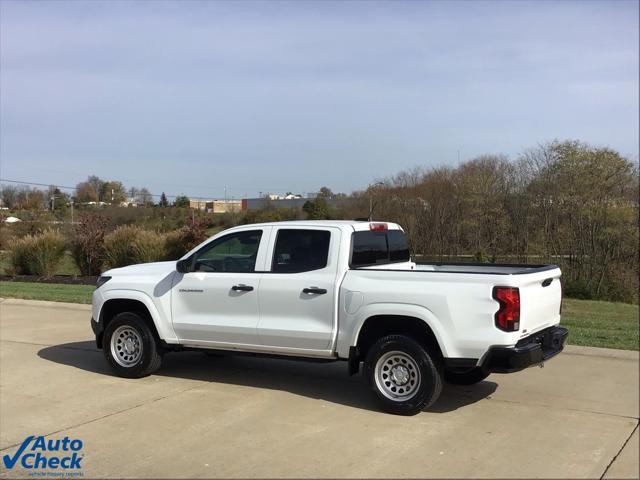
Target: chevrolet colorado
[[333, 290]]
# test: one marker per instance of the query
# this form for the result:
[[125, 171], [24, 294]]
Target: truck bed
[[456, 298], [484, 268], [463, 267]]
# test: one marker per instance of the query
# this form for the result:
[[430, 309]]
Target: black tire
[[470, 377], [391, 351], [142, 364]]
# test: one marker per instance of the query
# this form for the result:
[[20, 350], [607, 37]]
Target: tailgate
[[540, 299]]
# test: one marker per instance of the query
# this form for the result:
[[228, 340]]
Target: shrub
[[119, 246], [128, 245], [8, 235], [174, 246], [87, 245], [576, 289], [20, 250], [184, 239], [149, 247], [38, 254]]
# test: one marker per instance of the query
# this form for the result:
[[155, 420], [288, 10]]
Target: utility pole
[[71, 212]]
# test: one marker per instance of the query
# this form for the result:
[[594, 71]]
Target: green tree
[[163, 200], [181, 201], [587, 200], [56, 199], [113, 192], [325, 192], [317, 209]]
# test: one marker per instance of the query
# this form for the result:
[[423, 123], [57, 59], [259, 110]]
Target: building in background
[[200, 204], [290, 200], [269, 200], [216, 206], [226, 206]]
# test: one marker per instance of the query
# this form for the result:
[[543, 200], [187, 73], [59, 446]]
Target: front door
[[217, 302], [297, 293]]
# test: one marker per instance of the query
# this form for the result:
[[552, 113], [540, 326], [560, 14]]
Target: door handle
[[314, 291], [242, 288]]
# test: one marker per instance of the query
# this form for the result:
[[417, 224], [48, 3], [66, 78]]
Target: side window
[[300, 250], [236, 252]]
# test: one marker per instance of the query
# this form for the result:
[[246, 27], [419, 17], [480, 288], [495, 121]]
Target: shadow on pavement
[[325, 381]]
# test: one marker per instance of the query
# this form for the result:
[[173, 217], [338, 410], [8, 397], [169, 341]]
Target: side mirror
[[183, 266]]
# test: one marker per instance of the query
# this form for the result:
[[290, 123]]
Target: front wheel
[[130, 346], [402, 374]]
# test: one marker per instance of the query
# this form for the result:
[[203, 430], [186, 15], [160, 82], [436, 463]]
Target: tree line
[[92, 190], [564, 202], [567, 203]]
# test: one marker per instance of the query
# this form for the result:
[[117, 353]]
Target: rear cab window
[[299, 250], [369, 248]]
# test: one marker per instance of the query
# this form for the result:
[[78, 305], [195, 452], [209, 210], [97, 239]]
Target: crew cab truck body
[[333, 290]]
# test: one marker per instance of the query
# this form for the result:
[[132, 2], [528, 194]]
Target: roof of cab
[[357, 225]]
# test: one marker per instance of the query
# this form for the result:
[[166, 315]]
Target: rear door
[[297, 292]]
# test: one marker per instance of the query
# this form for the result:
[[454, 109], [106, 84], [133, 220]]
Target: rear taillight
[[378, 227], [508, 315]]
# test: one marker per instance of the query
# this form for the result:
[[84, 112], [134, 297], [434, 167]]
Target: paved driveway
[[248, 417]]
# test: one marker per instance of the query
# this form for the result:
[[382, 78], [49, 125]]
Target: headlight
[[102, 279]]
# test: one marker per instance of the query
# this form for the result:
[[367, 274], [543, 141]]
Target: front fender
[[352, 324], [160, 318]]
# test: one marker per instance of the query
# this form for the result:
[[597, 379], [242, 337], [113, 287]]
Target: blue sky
[[190, 97]]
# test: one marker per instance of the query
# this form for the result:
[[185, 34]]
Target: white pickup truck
[[333, 290]]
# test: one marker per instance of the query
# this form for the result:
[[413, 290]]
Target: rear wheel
[[469, 377], [402, 374], [130, 346]]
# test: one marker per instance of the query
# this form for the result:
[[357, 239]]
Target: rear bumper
[[531, 350]]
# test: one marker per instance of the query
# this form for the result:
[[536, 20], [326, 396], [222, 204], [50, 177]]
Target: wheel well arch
[[378, 326], [113, 307]]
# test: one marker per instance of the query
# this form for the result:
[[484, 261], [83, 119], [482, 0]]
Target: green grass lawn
[[601, 324], [590, 323], [54, 292]]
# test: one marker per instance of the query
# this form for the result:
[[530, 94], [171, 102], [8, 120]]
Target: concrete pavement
[[249, 417]]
